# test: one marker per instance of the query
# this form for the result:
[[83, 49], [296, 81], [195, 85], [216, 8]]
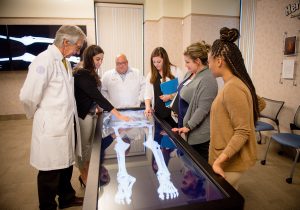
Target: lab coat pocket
[[54, 152], [55, 124], [38, 122]]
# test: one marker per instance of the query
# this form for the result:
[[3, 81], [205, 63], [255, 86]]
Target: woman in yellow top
[[234, 111]]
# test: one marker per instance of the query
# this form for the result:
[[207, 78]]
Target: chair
[[288, 139], [271, 112]]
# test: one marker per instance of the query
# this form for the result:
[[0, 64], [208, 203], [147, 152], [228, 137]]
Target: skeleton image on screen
[[28, 40], [166, 189], [125, 181]]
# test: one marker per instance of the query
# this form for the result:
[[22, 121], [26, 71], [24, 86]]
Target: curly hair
[[229, 51]]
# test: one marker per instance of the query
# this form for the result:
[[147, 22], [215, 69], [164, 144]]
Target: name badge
[[114, 79], [187, 82]]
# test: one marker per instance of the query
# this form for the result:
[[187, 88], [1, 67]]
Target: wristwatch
[[172, 96], [187, 126]]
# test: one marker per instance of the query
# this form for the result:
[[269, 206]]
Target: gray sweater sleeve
[[203, 97]]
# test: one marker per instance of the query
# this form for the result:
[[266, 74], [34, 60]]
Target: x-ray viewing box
[[151, 170]]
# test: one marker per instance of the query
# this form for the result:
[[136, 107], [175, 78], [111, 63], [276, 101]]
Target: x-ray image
[[21, 43], [133, 133]]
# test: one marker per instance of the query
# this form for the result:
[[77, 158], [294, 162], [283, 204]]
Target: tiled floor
[[263, 187]]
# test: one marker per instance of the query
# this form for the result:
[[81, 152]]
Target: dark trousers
[[52, 183], [202, 149], [105, 143], [158, 128]]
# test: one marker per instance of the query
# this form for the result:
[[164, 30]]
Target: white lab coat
[[123, 94], [149, 90], [48, 98]]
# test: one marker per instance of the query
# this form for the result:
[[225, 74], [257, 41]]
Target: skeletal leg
[[166, 188], [125, 181]]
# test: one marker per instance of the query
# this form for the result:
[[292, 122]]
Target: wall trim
[[192, 14], [13, 117], [163, 17], [210, 15]]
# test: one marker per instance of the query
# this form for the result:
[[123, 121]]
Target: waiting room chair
[[270, 112], [288, 139]]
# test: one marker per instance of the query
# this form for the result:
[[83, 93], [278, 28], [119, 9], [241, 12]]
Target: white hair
[[70, 33]]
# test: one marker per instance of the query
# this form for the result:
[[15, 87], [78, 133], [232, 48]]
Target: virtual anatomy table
[[147, 166]]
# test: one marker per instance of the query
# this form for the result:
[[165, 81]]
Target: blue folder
[[169, 87]]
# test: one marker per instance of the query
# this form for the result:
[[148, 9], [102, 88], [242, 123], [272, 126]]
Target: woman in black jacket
[[89, 101]]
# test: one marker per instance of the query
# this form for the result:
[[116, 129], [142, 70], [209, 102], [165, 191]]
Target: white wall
[[47, 8], [152, 10], [216, 7], [172, 9], [155, 9]]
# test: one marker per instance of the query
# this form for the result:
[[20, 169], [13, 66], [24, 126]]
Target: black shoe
[[104, 176], [77, 201], [81, 182]]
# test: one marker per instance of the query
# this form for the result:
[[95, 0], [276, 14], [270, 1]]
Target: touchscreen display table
[[145, 167]]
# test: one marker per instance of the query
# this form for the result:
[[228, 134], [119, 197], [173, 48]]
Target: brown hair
[[227, 49], [198, 50], [88, 62], [166, 71]]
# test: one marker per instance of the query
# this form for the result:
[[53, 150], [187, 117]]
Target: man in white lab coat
[[123, 86], [48, 98]]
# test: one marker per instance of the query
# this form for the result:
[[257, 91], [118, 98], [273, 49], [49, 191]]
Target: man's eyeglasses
[[78, 47], [121, 63]]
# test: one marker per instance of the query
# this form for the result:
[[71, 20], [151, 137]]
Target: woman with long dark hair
[[234, 111], [89, 100], [162, 70]]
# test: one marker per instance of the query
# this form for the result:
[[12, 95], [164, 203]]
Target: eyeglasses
[[77, 46], [121, 63]]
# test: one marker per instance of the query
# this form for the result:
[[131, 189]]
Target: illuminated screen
[[21, 43], [165, 177]]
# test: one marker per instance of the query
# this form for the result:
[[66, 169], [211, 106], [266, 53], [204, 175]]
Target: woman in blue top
[[196, 94]]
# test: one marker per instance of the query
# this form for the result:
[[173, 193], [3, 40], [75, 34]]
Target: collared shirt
[[123, 76], [123, 91]]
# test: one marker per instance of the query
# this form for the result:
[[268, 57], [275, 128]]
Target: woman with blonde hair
[[196, 94]]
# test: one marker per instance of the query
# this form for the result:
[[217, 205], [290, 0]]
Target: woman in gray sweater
[[196, 94]]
